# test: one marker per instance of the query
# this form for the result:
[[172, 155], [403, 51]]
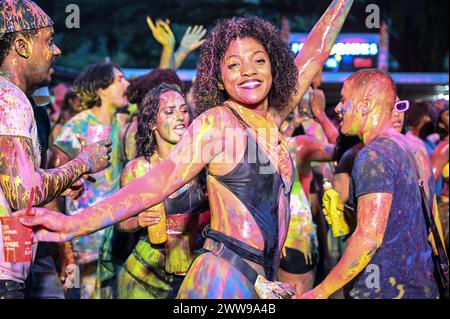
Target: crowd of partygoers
[[238, 185]]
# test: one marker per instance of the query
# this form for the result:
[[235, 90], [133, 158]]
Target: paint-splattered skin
[[313, 55], [373, 213], [302, 235], [232, 219], [30, 67], [366, 98], [308, 149], [20, 156], [133, 170], [18, 175], [228, 214], [316, 50], [174, 259]]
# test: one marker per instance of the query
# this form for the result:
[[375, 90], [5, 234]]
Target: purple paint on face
[[346, 109]]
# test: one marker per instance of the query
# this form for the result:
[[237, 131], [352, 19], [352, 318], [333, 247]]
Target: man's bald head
[[374, 86]]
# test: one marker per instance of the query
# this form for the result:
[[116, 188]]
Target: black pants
[[11, 290]]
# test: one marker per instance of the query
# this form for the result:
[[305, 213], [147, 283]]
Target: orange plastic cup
[[157, 234]]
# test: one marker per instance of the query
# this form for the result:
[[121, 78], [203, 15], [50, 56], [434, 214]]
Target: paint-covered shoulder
[[12, 97], [368, 153], [218, 117], [83, 116], [16, 112], [135, 169]]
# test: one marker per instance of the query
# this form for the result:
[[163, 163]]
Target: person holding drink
[[27, 54], [248, 83], [166, 247], [101, 88]]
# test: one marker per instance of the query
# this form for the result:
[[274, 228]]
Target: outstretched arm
[[373, 213], [18, 174], [163, 34], [316, 50], [309, 150], [318, 103], [204, 141]]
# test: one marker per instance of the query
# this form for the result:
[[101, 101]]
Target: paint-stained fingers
[[88, 178], [150, 214], [81, 140], [23, 212], [37, 219], [106, 142], [150, 24], [203, 33], [149, 217], [166, 28], [148, 221]]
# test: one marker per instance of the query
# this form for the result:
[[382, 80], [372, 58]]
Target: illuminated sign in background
[[351, 52]]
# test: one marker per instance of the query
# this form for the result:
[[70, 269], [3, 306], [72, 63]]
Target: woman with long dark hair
[[157, 270]]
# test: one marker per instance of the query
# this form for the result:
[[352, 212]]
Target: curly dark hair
[[141, 85], [7, 40], [147, 113], [94, 77], [284, 71]]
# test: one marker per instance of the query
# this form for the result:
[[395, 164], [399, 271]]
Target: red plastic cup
[[17, 240]]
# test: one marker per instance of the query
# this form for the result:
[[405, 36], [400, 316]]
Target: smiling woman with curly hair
[[207, 92], [248, 84]]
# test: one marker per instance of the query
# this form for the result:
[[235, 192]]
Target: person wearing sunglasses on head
[[391, 231], [346, 158]]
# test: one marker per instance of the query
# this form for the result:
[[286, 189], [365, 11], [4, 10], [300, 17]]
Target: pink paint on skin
[[247, 79]]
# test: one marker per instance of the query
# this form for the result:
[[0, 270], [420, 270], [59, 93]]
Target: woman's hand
[[192, 39], [161, 32], [150, 217], [318, 103], [49, 226]]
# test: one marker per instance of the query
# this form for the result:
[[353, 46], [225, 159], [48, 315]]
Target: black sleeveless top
[[257, 184], [191, 201]]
